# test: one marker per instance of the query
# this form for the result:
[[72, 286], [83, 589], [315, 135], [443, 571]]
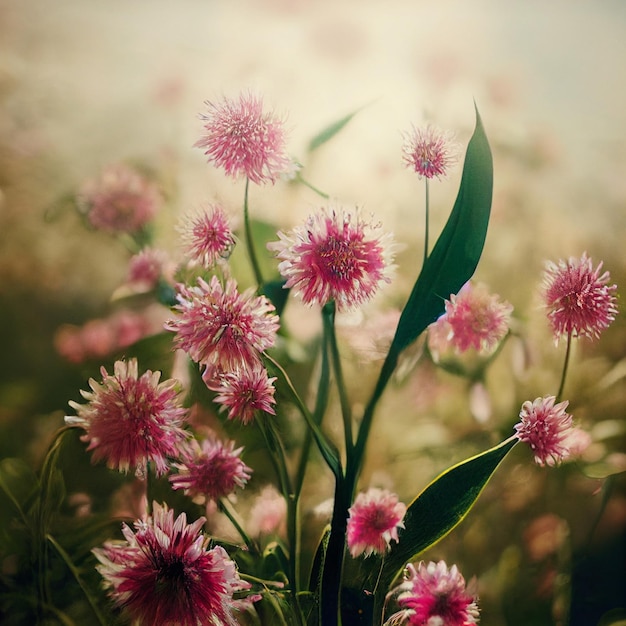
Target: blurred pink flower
[[131, 421], [220, 327], [578, 299], [164, 573], [430, 151], [336, 256], [208, 237], [375, 517], [145, 269], [268, 514], [546, 428], [244, 140]]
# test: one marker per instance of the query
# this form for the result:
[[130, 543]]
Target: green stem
[[256, 269], [306, 183], [426, 221], [565, 366], [225, 507]]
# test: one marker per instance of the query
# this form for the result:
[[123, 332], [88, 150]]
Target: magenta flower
[[578, 299], [244, 140], [120, 201], [220, 327], [375, 518], [132, 420], [243, 392], [165, 574], [208, 237], [334, 256], [435, 595], [212, 471], [145, 268], [547, 429], [430, 151]]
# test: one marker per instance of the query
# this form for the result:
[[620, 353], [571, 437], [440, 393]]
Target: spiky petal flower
[[578, 298], [165, 574], [375, 518], [546, 428], [146, 268], [244, 140], [429, 151], [131, 420], [211, 471], [220, 327], [336, 255]]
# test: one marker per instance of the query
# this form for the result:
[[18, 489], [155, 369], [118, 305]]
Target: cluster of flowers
[[166, 571]]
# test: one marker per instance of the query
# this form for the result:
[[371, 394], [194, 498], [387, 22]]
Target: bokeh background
[[86, 83]]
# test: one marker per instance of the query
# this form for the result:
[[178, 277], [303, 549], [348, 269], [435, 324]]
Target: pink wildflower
[[375, 518], [546, 428], [579, 301], [218, 326], [430, 151], [120, 201], [268, 514], [212, 471], [145, 268], [244, 392], [131, 420], [208, 237], [334, 256], [244, 140], [164, 573]]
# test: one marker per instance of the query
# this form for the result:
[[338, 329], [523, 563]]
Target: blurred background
[[84, 84]]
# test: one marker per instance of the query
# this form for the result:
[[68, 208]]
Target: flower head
[[131, 420], [429, 151], [220, 327], [375, 518], [334, 256], [578, 298], [120, 201], [268, 514], [546, 428], [145, 268], [211, 471], [164, 573], [244, 140]]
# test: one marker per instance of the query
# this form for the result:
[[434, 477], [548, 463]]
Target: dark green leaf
[[330, 131], [18, 489], [276, 293]]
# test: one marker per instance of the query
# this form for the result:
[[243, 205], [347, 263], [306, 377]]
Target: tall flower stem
[[256, 269], [227, 510], [568, 350], [426, 220]]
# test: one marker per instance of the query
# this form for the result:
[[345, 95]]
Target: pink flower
[[268, 514], [243, 392], [434, 595], [429, 151], [208, 237], [212, 471], [578, 299], [546, 428], [374, 520], [145, 268], [120, 201], [165, 574], [220, 327], [131, 421], [334, 256], [245, 141]]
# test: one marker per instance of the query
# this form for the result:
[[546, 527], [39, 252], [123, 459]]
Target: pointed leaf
[[330, 131]]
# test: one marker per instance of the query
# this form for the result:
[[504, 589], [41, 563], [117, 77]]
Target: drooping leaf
[[330, 131]]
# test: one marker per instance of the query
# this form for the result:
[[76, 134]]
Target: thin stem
[[227, 510], [277, 455], [256, 269], [306, 183], [565, 366], [426, 221]]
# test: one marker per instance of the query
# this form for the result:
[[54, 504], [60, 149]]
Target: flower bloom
[[145, 268], [334, 256], [578, 299], [429, 151], [546, 428], [244, 392], [374, 520], [131, 420], [244, 140], [434, 595], [208, 237], [220, 327], [120, 201], [268, 514], [165, 574]]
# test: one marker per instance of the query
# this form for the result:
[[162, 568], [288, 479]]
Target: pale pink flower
[[435, 595], [164, 573], [220, 327], [430, 151], [578, 298], [243, 392], [132, 420], [268, 514], [335, 255], [145, 269], [120, 201], [244, 140], [208, 237], [375, 518], [546, 428]]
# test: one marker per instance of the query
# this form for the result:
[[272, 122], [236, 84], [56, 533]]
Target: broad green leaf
[[276, 293], [330, 131]]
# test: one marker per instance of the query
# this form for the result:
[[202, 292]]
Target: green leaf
[[18, 489], [275, 292], [330, 131]]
